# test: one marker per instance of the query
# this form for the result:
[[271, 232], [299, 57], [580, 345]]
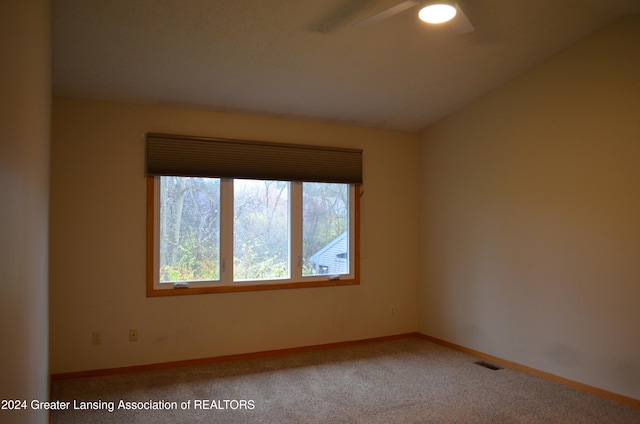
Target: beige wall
[[25, 84], [530, 217], [98, 209]]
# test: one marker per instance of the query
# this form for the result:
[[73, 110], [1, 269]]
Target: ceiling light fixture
[[437, 12]]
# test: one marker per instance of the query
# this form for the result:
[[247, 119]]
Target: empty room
[[327, 211]]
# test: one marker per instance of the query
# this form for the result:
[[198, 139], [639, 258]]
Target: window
[[234, 234], [214, 233], [261, 235], [188, 229], [325, 228]]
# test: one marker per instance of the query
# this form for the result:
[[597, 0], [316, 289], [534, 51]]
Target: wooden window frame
[[152, 291]]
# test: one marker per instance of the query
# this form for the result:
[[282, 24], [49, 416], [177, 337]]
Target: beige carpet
[[403, 381]]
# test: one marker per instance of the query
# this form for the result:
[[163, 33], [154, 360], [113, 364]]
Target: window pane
[[260, 230], [189, 229], [325, 229]]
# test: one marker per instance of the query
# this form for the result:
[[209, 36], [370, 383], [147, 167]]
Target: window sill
[[152, 292]]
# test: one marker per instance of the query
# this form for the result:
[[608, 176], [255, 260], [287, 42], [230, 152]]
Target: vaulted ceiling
[[309, 59]]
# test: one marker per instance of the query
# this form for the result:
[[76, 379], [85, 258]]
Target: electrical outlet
[[96, 338], [392, 310], [133, 334]]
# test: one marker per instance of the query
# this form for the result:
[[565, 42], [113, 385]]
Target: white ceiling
[[307, 59]]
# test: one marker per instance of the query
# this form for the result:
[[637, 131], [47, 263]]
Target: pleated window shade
[[225, 158]]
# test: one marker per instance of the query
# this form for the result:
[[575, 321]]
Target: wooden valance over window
[[226, 158]]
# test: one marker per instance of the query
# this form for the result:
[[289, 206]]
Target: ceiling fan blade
[[461, 23], [385, 14], [345, 14]]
